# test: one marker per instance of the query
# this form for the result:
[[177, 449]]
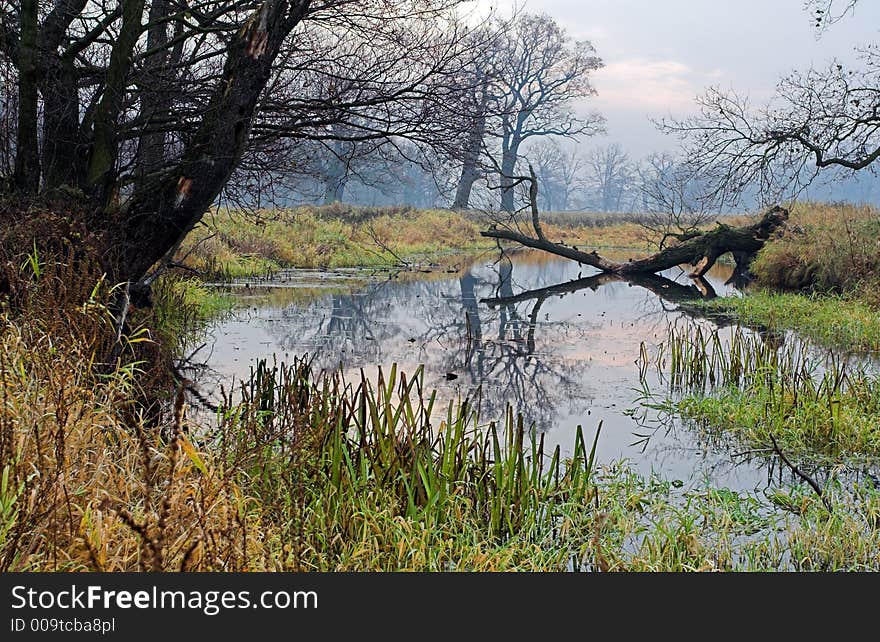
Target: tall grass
[[842, 322], [313, 448], [825, 248], [301, 471], [818, 407], [235, 244], [305, 471]]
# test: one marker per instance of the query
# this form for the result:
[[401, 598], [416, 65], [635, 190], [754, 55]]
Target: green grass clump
[[649, 524], [846, 323], [814, 427], [182, 306], [751, 388]]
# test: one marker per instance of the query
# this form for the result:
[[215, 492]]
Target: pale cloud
[[659, 56], [649, 86]]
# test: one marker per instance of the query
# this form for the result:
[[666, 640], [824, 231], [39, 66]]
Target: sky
[[660, 54]]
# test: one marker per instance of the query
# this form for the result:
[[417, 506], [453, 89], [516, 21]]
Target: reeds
[[384, 438], [694, 356], [302, 470], [816, 403]]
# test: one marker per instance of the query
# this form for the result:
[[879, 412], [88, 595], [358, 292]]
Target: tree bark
[[469, 173], [469, 176], [701, 251], [160, 217], [105, 145], [335, 176], [151, 145], [508, 165], [27, 160], [62, 159]]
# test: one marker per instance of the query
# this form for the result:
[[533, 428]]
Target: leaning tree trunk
[[161, 215], [701, 250]]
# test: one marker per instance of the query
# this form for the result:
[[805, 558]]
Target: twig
[[384, 246], [123, 301], [188, 386], [801, 474]]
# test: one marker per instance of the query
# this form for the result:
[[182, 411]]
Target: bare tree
[[540, 73], [821, 121], [151, 107], [610, 176], [560, 172], [826, 12], [671, 202], [479, 76]]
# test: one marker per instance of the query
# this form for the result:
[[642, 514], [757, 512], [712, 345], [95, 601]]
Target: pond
[[559, 344]]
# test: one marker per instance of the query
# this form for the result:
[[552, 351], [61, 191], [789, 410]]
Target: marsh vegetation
[[203, 369]]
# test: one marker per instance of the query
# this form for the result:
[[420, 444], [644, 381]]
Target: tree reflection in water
[[489, 332], [519, 330]]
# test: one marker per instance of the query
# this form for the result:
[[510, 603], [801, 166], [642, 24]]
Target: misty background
[[658, 57]]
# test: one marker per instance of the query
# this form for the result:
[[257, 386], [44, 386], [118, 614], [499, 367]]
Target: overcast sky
[[659, 54]]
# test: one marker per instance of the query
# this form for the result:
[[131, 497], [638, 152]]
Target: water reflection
[[524, 329]]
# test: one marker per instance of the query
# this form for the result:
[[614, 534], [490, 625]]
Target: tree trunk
[[62, 159], [27, 160], [469, 173], [335, 178], [151, 146], [508, 166], [701, 251], [469, 176], [336, 169], [159, 218], [334, 189], [106, 143]]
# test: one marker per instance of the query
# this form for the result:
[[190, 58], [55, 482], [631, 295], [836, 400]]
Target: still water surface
[[536, 332]]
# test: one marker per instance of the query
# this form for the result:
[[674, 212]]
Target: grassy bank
[[846, 323], [751, 388], [829, 249], [820, 278], [231, 244], [309, 472]]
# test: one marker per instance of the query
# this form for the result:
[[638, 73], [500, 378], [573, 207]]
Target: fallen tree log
[[700, 250]]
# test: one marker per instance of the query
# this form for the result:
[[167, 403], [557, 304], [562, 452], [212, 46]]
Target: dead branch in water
[[797, 471], [700, 249]]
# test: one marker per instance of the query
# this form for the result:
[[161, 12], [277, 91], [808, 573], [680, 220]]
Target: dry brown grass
[[92, 482], [825, 248], [233, 244]]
